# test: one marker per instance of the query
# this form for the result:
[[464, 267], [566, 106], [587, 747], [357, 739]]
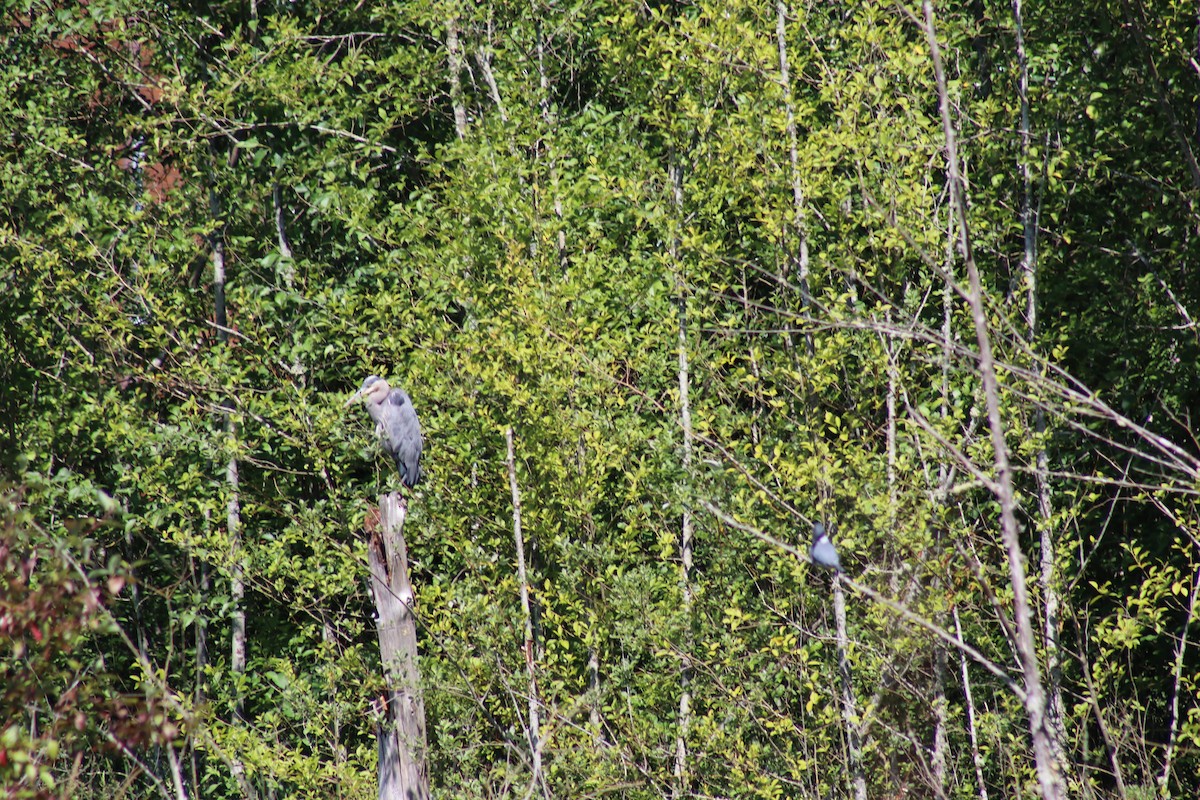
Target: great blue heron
[[396, 424], [823, 552]]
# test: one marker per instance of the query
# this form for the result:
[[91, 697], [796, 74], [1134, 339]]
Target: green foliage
[[532, 272]]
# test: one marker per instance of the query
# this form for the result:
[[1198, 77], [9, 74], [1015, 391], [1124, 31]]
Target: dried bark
[[403, 771]]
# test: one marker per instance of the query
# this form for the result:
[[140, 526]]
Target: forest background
[[723, 269]]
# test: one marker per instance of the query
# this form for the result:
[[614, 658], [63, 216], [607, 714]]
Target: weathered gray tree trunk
[[403, 772]]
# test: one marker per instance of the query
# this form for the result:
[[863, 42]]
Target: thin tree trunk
[[287, 265], [285, 246], [537, 780], [237, 656], [1164, 778], [237, 587], [893, 389], [1049, 585], [943, 482], [403, 772], [972, 728], [329, 638], [201, 631], [1047, 580], [237, 592], [799, 228], [548, 119], [176, 773], [1028, 218], [1049, 769], [595, 721], [1092, 695], [941, 714], [940, 719], [483, 57], [232, 506], [200, 696], [454, 52], [858, 779], [685, 534]]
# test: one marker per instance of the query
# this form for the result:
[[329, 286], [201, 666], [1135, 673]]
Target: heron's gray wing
[[404, 437]]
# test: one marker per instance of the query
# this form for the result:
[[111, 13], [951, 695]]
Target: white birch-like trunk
[[1047, 580], [455, 65], [483, 58], [200, 696], [940, 719], [538, 779], [972, 727], [799, 259], [1164, 777], [237, 586], [237, 655], [858, 780], [943, 485], [285, 246], [560, 240], [176, 773], [685, 526]]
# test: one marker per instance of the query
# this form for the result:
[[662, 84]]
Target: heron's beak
[[353, 397]]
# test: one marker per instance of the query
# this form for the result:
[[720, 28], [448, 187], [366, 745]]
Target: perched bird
[[823, 552], [396, 423]]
